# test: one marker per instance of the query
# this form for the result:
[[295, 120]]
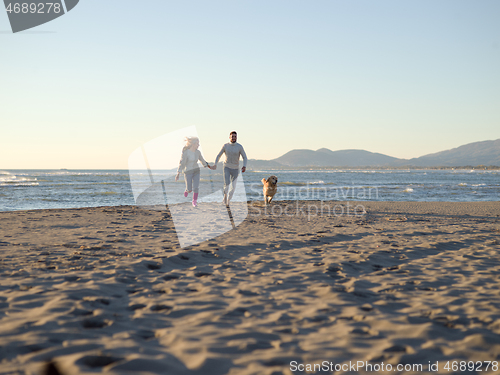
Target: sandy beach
[[109, 290]]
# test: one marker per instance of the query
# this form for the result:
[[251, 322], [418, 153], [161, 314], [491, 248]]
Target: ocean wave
[[11, 184], [332, 171], [75, 173], [8, 179], [292, 183]]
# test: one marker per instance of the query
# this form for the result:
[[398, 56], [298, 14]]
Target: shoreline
[[109, 289], [408, 204]]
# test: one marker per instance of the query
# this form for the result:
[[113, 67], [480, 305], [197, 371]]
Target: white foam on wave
[[8, 179], [77, 173], [20, 184]]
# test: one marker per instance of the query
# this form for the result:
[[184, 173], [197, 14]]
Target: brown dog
[[270, 188]]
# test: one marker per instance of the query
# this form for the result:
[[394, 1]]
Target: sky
[[402, 78]]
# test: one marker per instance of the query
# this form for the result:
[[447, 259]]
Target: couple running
[[189, 165]]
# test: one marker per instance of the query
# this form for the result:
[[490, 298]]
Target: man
[[233, 150]]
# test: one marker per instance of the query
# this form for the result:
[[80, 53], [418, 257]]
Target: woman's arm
[[182, 164], [200, 158]]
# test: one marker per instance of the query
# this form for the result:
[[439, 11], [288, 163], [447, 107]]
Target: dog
[[270, 188]]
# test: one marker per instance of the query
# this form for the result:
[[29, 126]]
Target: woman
[[189, 165]]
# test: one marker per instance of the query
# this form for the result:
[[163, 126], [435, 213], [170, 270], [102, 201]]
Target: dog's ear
[[264, 181]]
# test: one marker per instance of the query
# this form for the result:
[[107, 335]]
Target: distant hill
[[263, 164], [477, 153], [344, 158], [485, 153]]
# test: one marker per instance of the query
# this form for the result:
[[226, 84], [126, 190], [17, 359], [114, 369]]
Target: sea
[[47, 189]]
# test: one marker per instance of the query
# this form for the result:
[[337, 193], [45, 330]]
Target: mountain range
[[485, 153]]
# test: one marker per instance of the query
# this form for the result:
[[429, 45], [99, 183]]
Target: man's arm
[[223, 149], [244, 155]]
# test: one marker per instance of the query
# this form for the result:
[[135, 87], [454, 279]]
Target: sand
[[109, 290]]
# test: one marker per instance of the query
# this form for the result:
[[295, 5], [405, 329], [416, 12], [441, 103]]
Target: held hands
[[214, 167]]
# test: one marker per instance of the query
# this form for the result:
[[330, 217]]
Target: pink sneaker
[[186, 194], [195, 200]]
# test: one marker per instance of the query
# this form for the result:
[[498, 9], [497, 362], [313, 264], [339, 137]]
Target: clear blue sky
[[404, 78]]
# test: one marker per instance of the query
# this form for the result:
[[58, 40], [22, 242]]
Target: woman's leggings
[[192, 178]]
